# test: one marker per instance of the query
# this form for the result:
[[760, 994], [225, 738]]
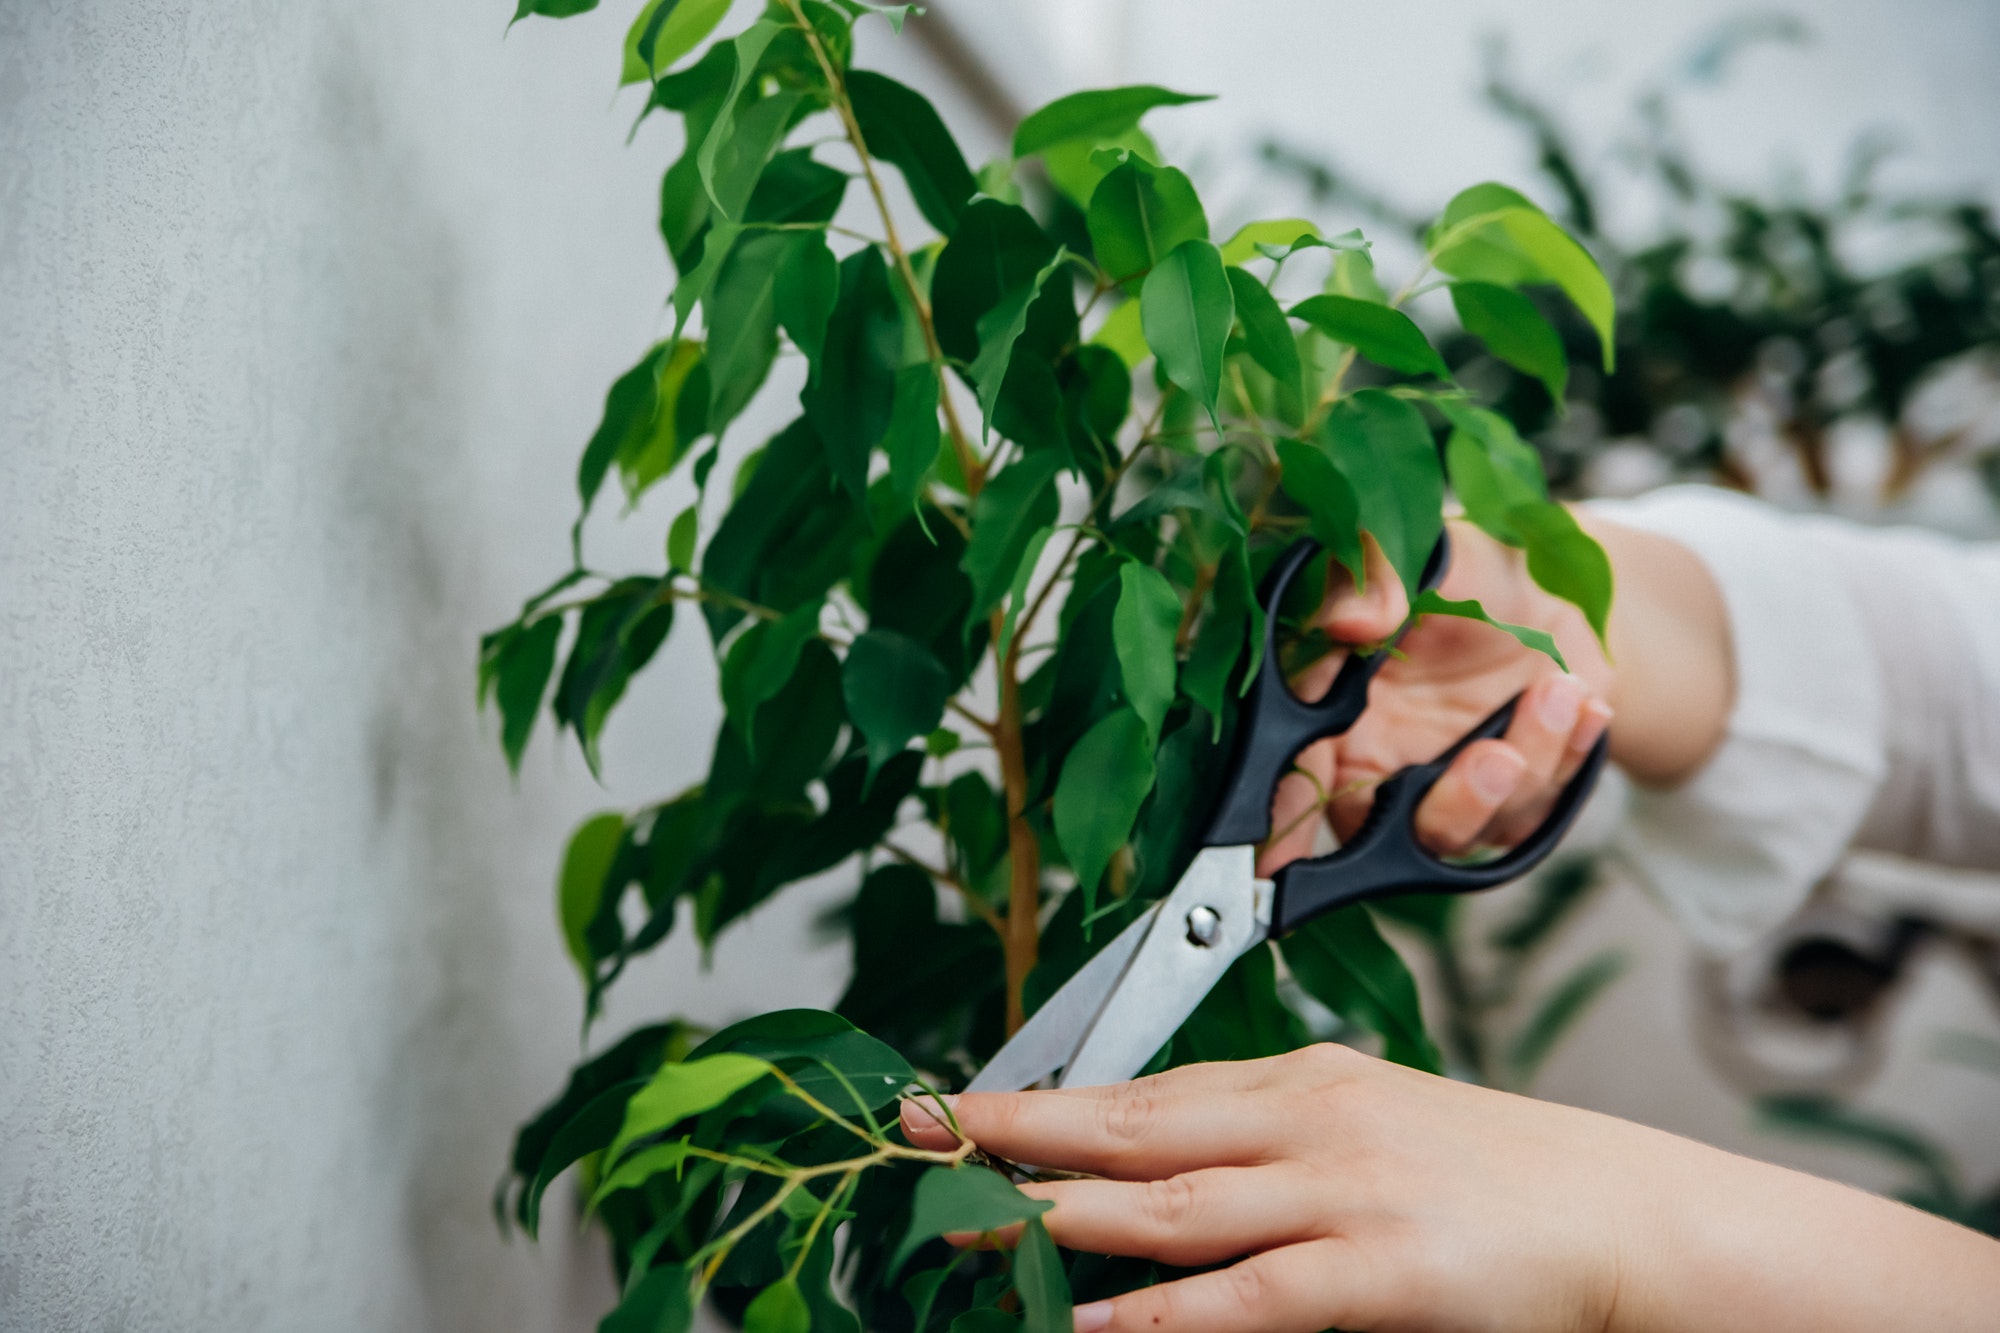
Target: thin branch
[[985, 910]]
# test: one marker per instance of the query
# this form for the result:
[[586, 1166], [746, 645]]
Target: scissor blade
[[1173, 969], [1046, 1041]]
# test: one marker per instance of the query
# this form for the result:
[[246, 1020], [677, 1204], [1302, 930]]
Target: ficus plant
[[981, 613]]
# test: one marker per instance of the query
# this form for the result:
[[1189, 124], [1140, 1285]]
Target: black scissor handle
[[1276, 724], [1384, 858]]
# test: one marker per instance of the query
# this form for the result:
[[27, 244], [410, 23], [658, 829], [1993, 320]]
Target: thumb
[[1369, 613]]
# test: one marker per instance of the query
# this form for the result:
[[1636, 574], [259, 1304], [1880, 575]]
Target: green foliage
[[1057, 597]]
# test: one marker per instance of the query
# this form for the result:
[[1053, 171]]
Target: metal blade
[[1218, 912], [1046, 1041]]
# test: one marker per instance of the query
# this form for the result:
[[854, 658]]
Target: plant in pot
[[981, 612]]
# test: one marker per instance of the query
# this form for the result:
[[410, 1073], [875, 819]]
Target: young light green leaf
[[721, 160], [1040, 1282], [900, 125], [895, 692], [1186, 310], [808, 285], [1100, 114], [1138, 214], [999, 329], [1431, 603], [579, 889], [1492, 469], [1015, 503], [679, 1090], [1559, 1011], [912, 441], [665, 31], [1565, 560], [1513, 330], [1385, 336], [1332, 510], [681, 538], [1382, 446], [659, 1302], [1345, 964], [1354, 275], [1242, 247], [1265, 332], [779, 1308], [1491, 234], [1143, 629], [963, 1198], [1077, 168], [639, 1168], [760, 662], [1104, 782], [1346, 242], [1569, 266], [1121, 332], [1017, 592]]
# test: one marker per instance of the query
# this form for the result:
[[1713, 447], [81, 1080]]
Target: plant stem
[[1022, 942], [968, 458], [979, 905]]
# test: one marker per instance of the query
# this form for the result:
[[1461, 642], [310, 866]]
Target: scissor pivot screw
[[1204, 927]]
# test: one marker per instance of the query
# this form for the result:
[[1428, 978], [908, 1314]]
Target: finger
[[1548, 712], [1139, 1134], [1371, 612], [1513, 825], [1198, 1217], [1295, 808], [1464, 800], [1298, 1289], [926, 1119]]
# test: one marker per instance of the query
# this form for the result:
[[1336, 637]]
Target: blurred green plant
[[1755, 330], [980, 614]]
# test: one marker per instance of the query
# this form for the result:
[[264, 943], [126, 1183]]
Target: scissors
[[1109, 1020]]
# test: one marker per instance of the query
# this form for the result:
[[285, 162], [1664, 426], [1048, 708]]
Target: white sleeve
[[1867, 711]]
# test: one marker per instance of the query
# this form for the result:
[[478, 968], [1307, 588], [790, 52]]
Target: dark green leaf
[[789, 535], [659, 1302], [555, 9], [1242, 1018], [1000, 328], [1489, 233], [665, 31], [581, 885], [1040, 1282], [1266, 334], [808, 285], [615, 636], [796, 189], [1186, 310], [824, 1053], [1344, 963], [997, 249], [900, 126], [1382, 446], [1224, 632], [1017, 591], [1334, 513], [1139, 214], [912, 442], [986, 1319], [917, 979], [895, 691], [1015, 503], [916, 587], [1385, 336], [760, 662], [1143, 629], [1513, 330], [779, 1308], [1104, 781], [1100, 114], [1430, 603], [964, 1198], [742, 319], [517, 669], [593, 1126], [633, 1057], [1566, 560], [1559, 1011], [849, 401]]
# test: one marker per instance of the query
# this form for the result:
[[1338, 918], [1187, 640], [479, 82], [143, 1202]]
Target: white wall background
[[304, 313]]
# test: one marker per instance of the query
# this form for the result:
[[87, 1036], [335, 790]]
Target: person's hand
[[1361, 1195], [1671, 687]]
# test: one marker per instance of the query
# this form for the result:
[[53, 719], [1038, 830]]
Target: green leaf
[[1385, 336], [1492, 469], [554, 9], [1143, 629], [1265, 332], [665, 31], [742, 317], [796, 189], [963, 1198], [592, 848], [731, 157], [1499, 237], [1430, 603], [1513, 330], [1382, 446], [1344, 963], [895, 691], [1103, 113], [659, 1302], [1122, 333], [1015, 503], [914, 435], [779, 1308], [900, 125], [1017, 592], [1332, 510], [1225, 631], [1566, 560], [807, 287], [824, 1054], [639, 1168], [760, 662], [637, 429], [1242, 247], [681, 538], [520, 663], [850, 400], [616, 635], [996, 249], [1040, 1282], [1354, 275], [1186, 310], [680, 1090], [999, 329], [1138, 215], [1104, 782], [1556, 1014], [985, 1319]]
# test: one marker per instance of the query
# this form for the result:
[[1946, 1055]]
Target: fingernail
[[920, 1113], [1092, 1317], [1596, 717], [1561, 701], [1494, 775]]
